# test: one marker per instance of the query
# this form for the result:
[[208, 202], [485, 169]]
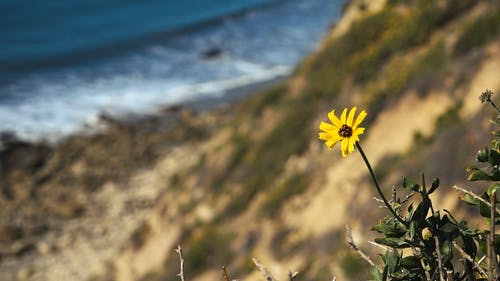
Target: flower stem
[[494, 105], [377, 185]]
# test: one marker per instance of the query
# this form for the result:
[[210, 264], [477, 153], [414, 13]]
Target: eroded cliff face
[[252, 179]]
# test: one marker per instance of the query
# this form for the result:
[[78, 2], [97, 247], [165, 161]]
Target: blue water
[[62, 63]]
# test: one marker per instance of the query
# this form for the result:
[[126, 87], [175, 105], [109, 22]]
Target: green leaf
[[434, 186], [494, 157], [420, 213], [449, 228], [391, 261], [390, 229], [472, 168], [393, 242], [467, 198], [497, 243], [376, 274], [494, 187], [469, 246], [447, 251], [484, 210], [482, 155], [494, 122], [478, 175], [482, 245], [410, 184], [413, 230], [410, 262]]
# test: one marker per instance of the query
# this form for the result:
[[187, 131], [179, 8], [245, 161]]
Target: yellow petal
[[328, 136], [343, 116], [351, 144], [334, 119], [350, 118], [331, 143], [358, 131], [327, 127], [324, 136], [344, 148], [360, 119]]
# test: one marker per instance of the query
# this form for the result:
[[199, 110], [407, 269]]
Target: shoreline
[[104, 121]]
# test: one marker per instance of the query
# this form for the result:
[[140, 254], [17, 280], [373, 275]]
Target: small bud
[[426, 233]]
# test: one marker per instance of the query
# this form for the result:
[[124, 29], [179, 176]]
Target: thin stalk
[[494, 105], [493, 263], [377, 185]]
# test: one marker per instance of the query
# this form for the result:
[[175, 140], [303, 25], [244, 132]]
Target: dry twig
[[440, 262], [467, 257], [181, 259], [224, 274], [263, 270], [477, 197], [291, 276], [493, 262], [353, 246]]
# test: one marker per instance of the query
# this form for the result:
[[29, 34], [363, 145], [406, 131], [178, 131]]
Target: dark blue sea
[[63, 63]]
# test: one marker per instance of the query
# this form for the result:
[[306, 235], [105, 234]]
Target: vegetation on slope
[[254, 171], [404, 47]]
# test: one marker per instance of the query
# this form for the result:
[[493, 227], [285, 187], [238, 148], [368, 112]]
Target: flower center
[[345, 131]]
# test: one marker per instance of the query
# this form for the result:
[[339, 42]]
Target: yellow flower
[[426, 233], [345, 130]]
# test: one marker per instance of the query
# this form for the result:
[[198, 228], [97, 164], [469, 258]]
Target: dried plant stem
[[292, 276], [263, 270], [439, 258], [353, 246], [493, 262], [224, 274], [477, 197], [494, 105], [449, 275], [427, 275], [377, 185], [467, 257], [181, 260], [378, 245]]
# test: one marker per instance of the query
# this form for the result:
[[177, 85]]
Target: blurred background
[[63, 63], [131, 127]]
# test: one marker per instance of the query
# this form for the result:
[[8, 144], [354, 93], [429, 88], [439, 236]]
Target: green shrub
[[208, 248], [294, 185], [478, 32], [354, 267]]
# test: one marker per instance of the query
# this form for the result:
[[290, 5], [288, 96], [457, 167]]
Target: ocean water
[[63, 63]]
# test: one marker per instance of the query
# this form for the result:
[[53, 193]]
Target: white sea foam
[[256, 47]]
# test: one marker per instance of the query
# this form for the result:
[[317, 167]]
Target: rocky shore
[[52, 194]]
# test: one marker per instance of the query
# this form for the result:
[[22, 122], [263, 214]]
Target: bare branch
[[440, 262], [353, 246], [224, 274], [477, 197], [379, 200], [181, 259], [493, 263], [449, 275], [467, 257], [263, 270], [378, 245], [292, 276]]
